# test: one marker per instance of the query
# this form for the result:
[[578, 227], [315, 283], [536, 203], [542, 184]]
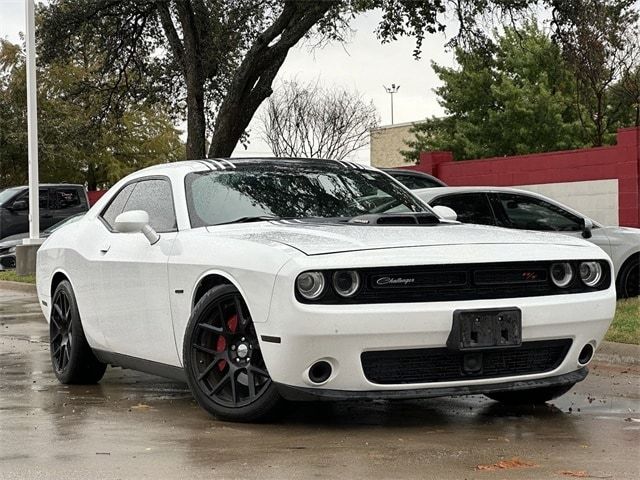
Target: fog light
[[561, 274], [586, 354], [320, 372]]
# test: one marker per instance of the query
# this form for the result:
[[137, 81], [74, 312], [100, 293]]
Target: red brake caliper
[[221, 344]]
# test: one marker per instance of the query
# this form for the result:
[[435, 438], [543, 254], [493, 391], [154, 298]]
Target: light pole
[[391, 90], [32, 124], [26, 253]]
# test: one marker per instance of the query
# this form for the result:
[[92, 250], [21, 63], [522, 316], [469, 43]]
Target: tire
[[223, 362], [72, 359], [628, 281], [530, 396]]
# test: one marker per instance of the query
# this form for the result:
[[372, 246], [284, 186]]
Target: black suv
[[57, 202]]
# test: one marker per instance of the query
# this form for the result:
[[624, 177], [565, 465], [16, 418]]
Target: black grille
[[426, 365], [439, 283]]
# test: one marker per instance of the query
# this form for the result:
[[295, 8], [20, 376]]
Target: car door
[[17, 215], [527, 212], [471, 207], [132, 296], [66, 202]]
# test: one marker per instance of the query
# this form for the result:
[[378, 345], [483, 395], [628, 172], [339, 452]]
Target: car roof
[[431, 193], [49, 185], [233, 162], [413, 173]]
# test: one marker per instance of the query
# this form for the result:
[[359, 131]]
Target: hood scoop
[[395, 220]]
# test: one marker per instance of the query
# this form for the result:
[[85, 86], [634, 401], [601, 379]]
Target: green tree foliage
[[78, 140], [512, 97], [599, 40]]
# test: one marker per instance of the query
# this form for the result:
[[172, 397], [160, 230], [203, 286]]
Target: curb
[[618, 353], [18, 286]]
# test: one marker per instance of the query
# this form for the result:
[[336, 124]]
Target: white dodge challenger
[[260, 280]]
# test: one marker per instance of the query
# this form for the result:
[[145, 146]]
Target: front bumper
[[339, 334], [313, 394], [7, 261]]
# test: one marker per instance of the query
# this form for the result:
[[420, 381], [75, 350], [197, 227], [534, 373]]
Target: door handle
[[105, 248]]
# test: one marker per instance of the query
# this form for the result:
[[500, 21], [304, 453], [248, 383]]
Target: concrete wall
[[598, 199], [386, 144]]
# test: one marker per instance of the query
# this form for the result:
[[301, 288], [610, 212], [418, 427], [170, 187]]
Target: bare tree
[[309, 120]]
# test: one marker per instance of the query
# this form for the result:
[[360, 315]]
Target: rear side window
[[66, 198], [414, 182], [153, 196], [470, 207]]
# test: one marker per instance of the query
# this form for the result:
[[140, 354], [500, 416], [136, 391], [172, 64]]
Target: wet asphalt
[[134, 425]]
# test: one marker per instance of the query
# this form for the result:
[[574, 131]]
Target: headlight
[[561, 274], [11, 250], [590, 273], [310, 284], [346, 282]]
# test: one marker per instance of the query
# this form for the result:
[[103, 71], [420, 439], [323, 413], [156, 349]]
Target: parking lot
[[134, 425]]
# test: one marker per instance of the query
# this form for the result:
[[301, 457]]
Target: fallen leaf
[[506, 465], [140, 406], [575, 473]]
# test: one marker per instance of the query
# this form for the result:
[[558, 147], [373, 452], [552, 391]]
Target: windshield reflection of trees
[[310, 192]]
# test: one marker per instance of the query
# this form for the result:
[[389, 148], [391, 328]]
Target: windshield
[[293, 191], [8, 194]]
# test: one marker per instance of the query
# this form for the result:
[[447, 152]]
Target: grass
[[624, 329], [626, 324], [12, 276]]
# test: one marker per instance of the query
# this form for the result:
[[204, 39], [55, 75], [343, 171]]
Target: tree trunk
[[196, 126], [252, 81]]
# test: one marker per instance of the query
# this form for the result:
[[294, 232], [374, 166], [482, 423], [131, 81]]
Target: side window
[[66, 198], [470, 207], [154, 197], [117, 204], [530, 213], [43, 198]]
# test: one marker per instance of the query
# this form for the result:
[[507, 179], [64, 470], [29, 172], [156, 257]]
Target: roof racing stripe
[[219, 164], [206, 165], [228, 163]]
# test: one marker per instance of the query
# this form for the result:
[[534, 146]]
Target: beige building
[[387, 142]]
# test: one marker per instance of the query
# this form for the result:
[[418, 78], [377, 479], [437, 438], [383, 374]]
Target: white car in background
[[524, 210], [261, 279]]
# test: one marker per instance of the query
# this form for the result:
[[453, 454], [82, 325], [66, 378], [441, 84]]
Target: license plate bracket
[[483, 329]]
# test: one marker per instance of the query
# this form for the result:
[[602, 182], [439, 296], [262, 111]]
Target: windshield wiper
[[257, 218]]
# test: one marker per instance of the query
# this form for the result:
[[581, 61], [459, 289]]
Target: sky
[[362, 64]]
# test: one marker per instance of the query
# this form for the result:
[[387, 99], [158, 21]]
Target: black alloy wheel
[[72, 359], [225, 367], [60, 331]]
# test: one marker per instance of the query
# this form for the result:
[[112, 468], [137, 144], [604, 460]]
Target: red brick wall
[[620, 161], [94, 195]]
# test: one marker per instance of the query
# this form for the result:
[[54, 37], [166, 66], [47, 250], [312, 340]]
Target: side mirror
[[19, 205], [136, 221], [586, 228], [445, 212]]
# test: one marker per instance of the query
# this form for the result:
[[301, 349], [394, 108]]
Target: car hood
[[319, 239], [13, 240]]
